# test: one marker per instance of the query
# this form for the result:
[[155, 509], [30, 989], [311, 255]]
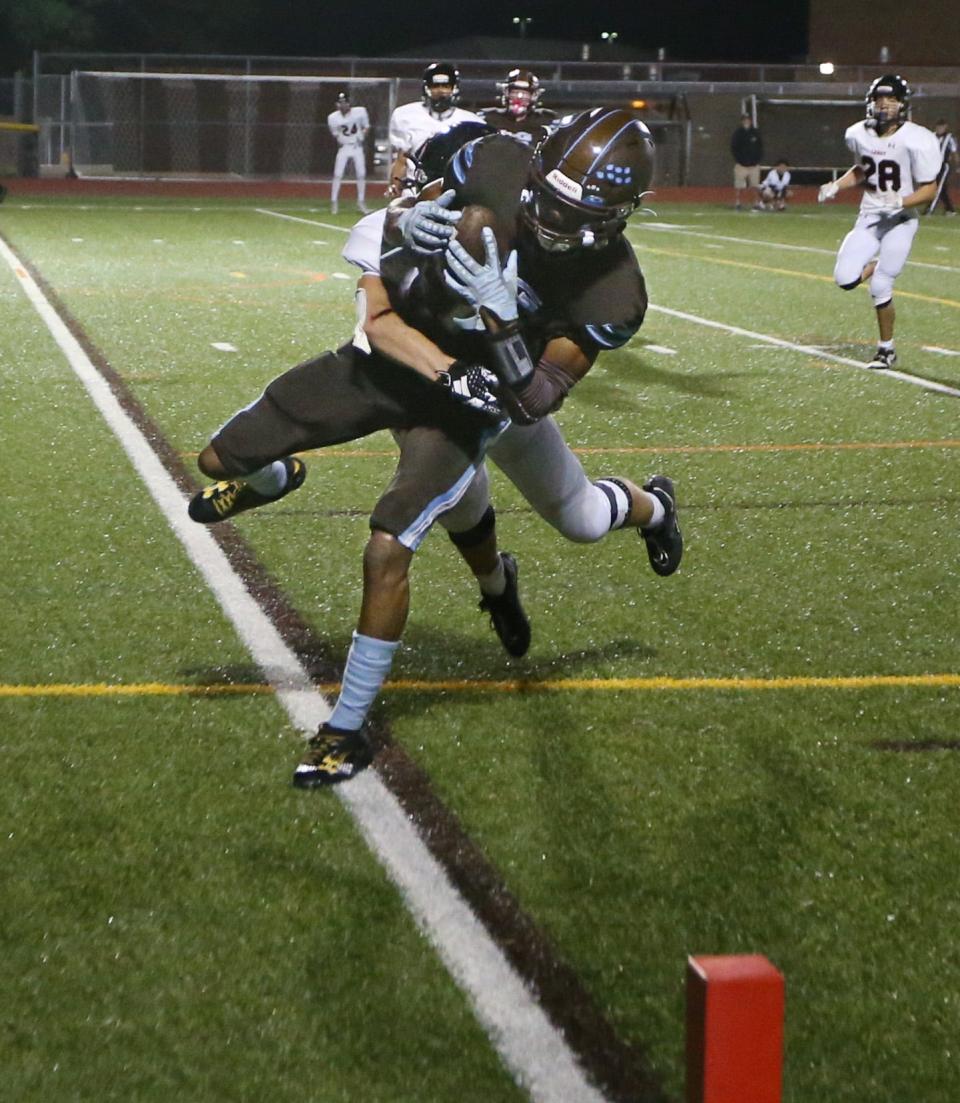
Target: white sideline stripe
[[308, 221], [809, 350], [941, 351], [672, 228], [528, 1043]]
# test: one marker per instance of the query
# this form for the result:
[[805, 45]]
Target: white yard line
[[673, 228], [809, 350], [940, 351], [528, 1043], [307, 221]]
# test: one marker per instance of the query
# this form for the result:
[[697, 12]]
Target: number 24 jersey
[[896, 162]]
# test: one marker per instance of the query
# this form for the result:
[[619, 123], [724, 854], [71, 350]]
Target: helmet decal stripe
[[615, 138]]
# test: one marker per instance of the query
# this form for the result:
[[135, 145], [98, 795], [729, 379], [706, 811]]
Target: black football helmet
[[441, 87], [520, 92], [343, 100], [586, 177], [432, 157], [888, 85]]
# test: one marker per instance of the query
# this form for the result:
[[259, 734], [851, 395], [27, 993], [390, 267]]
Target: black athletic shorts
[[348, 394]]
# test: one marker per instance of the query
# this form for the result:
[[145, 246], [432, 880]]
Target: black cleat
[[883, 358], [332, 756], [506, 613], [224, 500], [665, 542]]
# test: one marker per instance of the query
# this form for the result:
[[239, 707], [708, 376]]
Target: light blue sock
[[368, 664]]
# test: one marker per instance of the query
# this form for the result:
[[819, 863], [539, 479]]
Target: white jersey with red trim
[[896, 162]]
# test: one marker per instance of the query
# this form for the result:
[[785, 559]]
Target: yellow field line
[[517, 685], [787, 272], [665, 449]]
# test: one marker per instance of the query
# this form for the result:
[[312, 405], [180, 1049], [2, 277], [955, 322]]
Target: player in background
[[411, 124], [948, 154], [897, 166], [349, 126], [519, 112], [775, 187]]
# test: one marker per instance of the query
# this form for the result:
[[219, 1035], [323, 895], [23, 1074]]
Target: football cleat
[[332, 756], [507, 617], [665, 541], [224, 500], [883, 358]]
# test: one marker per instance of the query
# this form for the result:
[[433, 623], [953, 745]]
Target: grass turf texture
[[636, 827]]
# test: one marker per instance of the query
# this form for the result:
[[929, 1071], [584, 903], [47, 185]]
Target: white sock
[[658, 510], [886, 344], [494, 583], [270, 480]]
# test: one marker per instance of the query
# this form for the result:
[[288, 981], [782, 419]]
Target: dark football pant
[[348, 394]]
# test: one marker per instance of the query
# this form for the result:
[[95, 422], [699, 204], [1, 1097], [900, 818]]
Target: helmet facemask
[[881, 120], [561, 227], [519, 101]]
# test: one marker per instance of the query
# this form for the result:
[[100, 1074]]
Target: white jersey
[[775, 181], [349, 128], [412, 124], [899, 161]]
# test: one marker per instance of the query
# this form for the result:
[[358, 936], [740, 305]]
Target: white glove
[[827, 191], [428, 226], [486, 286], [892, 201]]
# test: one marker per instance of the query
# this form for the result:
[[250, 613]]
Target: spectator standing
[[746, 145], [349, 126]]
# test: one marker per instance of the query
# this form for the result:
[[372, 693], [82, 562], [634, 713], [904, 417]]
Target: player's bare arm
[[390, 335]]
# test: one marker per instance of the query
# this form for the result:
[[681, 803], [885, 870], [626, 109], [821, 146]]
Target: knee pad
[[471, 537]]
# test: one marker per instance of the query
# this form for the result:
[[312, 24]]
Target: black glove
[[472, 384]]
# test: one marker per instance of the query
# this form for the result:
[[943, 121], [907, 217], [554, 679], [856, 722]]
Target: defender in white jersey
[[349, 126], [897, 164], [411, 124]]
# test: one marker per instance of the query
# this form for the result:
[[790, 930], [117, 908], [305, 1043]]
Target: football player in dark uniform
[[566, 323], [519, 112]]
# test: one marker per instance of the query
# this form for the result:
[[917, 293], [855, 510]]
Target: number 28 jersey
[[896, 162]]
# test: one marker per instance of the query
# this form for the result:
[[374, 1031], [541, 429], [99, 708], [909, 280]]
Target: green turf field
[[177, 923]]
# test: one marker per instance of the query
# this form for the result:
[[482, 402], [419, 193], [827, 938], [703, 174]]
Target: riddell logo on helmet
[[564, 184]]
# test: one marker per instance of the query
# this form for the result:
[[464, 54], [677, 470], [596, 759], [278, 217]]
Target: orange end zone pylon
[[735, 1007]]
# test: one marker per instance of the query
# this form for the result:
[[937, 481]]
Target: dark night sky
[[688, 29]]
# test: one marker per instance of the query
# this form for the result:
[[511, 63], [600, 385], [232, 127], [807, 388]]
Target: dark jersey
[[530, 129], [594, 297]]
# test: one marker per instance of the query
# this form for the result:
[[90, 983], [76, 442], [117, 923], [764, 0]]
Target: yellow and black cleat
[[224, 500], [332, 756]]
